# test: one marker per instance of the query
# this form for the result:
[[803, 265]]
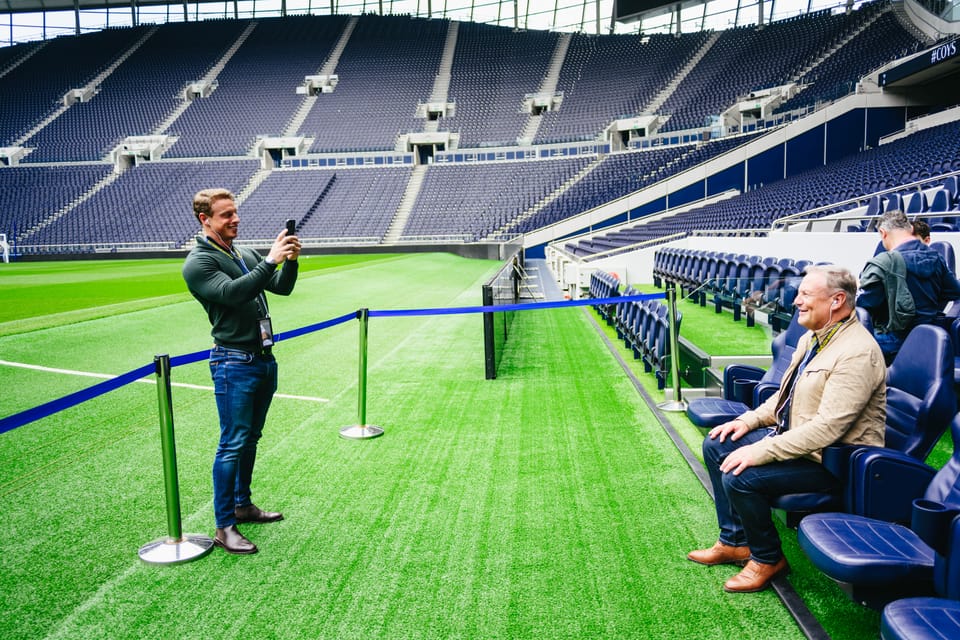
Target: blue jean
[[244, 385], [890, 344], [743, 502]]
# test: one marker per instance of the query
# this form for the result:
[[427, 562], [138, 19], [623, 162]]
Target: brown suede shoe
[[756, 576], [721, 553]]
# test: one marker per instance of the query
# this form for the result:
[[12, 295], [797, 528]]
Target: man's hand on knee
[[735, 429], [737, 461]]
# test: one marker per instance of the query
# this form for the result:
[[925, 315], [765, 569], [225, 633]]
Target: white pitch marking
[[107, 376]]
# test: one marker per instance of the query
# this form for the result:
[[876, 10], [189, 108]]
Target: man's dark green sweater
[[230, 296]]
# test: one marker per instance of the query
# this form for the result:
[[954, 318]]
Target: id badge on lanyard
[[264, 323]]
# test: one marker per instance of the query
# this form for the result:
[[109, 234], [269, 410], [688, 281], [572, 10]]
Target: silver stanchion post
[[176, 547], [362, 430], [678, 404]]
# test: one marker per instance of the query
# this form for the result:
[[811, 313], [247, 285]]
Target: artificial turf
[[548, 503]]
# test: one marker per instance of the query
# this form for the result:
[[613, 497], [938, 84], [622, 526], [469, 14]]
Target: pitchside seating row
[[866, 537], [734, 281], [643, 325], [899, 544]]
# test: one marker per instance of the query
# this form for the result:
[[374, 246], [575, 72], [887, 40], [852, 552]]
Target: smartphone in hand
[[291, 227]]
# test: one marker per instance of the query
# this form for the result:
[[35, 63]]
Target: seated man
[[834, 391], [906, 285]]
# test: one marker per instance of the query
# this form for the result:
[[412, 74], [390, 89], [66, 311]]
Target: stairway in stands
[[209, 78], [549, 84], [406, 205], [441, 83], [664, 95], [328, 68]]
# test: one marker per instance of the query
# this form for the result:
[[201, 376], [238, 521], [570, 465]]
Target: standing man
[[229, 282], [906, 285], [834, 391]]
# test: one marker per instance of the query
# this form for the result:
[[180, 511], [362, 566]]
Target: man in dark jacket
[[907, 285], [229, 282]]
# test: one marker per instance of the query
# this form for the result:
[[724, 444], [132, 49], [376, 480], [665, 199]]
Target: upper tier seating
[[626, 73], [34, 89], [256, 94], [493, 69], [137, 96], [386, 69]]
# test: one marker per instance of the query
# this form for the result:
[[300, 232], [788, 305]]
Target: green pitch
[[548, 503]]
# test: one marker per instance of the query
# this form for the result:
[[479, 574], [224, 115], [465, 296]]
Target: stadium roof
[[25, 20]]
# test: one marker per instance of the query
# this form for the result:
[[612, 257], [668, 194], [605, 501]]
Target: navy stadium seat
[[930, 618], [876, 560], [745, 387], [921, 400]]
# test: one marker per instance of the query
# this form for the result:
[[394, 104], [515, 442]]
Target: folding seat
[[871, 552], [893, 202], [939, 202], [745, 386], [658, 354], [930, 618], [945, 249], [921, 400], [623, 314], [914, 203], [648, 332]]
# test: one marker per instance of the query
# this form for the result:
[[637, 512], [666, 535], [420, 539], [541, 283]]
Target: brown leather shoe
[[253, 513], [233, 541], [721, 553], [756, 576]]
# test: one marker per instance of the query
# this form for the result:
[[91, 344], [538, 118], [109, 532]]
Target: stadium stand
[[216, 96]]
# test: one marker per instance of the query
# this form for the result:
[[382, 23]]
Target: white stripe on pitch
[[107, 376]]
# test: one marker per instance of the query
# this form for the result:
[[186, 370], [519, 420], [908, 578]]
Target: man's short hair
[[203, 201], [837, 279], [921, 229], [895, 219]]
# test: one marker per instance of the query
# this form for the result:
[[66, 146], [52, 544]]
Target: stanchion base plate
[[169, 551], [360, 432], [678, 406]]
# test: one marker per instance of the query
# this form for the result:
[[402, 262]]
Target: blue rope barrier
[[527, 306], [56, 406]]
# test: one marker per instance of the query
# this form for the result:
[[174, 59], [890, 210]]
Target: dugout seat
[[877, 558], [746, 387], [928, 618]]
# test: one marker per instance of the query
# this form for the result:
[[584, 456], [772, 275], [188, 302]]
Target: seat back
[[783, 347], [945, 486], [945, 249], [920, 396]]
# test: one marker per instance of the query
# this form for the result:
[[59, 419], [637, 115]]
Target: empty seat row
[[739, 282]]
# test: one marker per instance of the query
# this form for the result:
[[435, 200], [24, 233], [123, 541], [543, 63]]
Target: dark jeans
[[743, 501], [244, 385]]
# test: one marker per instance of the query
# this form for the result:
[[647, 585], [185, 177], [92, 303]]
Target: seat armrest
[[763, 391], [931, 521], [884, 483], [739, 373], [836, 460]]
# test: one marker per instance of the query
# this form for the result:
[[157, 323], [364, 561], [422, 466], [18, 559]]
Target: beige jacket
[[841, 397]]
